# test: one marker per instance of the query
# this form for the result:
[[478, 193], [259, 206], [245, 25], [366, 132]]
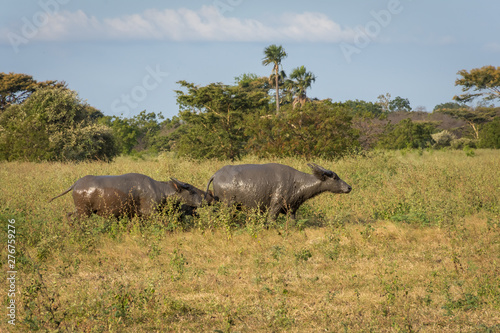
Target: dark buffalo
[[190, 210], [275, 187], [129, 195]]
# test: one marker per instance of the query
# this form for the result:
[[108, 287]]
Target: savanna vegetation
[[263, 116], [414, 247]]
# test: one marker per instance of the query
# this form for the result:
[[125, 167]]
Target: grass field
[[415, 247]]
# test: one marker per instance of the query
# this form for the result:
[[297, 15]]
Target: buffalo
[[131, 194], [274, 187]]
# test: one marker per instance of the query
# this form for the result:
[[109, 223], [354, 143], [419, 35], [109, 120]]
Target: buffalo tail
[[60, 195]]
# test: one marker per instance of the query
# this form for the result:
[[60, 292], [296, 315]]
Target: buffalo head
[[330, 180]]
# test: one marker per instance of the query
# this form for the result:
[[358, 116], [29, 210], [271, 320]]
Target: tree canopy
[[473, 116], [214, 117], [393, 105], [53, 124], [490, 135], [46, 121], [479, 82], [274, 54], [408, 134], [16, 88], [314, 130], [137, 133], [300, 81]]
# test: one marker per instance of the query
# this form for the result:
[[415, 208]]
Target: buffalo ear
[[320, 172], [178, 185]]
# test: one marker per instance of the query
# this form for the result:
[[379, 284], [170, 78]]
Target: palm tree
[[301, 81], [273, 55]]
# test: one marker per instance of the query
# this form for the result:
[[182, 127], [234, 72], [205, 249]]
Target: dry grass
[[414, 247]]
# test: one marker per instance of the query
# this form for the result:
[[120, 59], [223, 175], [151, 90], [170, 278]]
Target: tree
[[252, 81], [138, 133], [484, 81], [363, 109], [314, 130], [472, 116], [443, 139], [384, 102], [124, 132], [254, 85], [407, 134], [301, 81], [273, 55], [53, 124], [368, 120], [16, 88], [399, 104], [489, 136], [394, 105], [148, 128], [214, 119], [449, 106], [170, 132]]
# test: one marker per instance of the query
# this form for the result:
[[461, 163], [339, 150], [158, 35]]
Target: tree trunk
[[474, 128], [276, 69]]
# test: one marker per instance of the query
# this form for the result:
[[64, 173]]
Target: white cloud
[[205, 24], [492, 47], [69, 26], [314, 27]]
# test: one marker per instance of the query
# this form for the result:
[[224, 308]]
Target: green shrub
[[314, 130], [407, 134], [443, 139], [463, 143], [53, 124], [489, 136]]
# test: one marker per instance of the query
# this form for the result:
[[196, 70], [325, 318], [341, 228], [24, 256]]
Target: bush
[[94, 142], [407, 134], [463, 143], [443, 139], [214, 119], [53, 124], [136, 134], [314, 130], [489, 135]]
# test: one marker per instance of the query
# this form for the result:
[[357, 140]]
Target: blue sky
[[126, 56]]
